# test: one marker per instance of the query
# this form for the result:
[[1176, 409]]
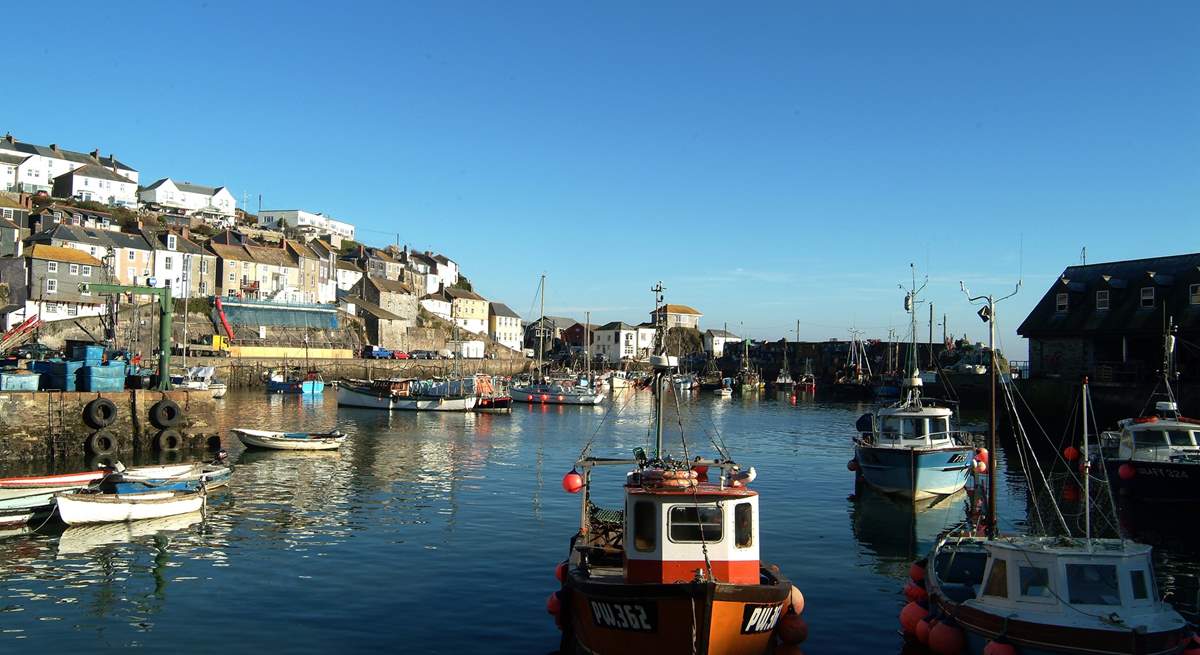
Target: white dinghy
[[290, 440], [80, 508]]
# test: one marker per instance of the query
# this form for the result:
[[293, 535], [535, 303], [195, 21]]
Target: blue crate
[[98, 372], [10, 381], [103, 384], [90, 353]]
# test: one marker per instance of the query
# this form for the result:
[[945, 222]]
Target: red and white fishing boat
[[678, 569], [21, 498]]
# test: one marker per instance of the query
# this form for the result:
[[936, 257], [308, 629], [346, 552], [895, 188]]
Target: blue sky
[[767, 162]]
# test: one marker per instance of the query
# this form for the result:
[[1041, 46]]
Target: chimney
[[54, 147], [186, 233], [8, 137], [95, 154]]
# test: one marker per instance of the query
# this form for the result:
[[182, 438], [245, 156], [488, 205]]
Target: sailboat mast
[[542, 327], [1087, 472], [660, 373], [992, 522], [587, 345]]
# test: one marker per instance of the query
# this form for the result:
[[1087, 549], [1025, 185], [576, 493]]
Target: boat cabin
[[670, 533], [911, 427], [1160, 441]]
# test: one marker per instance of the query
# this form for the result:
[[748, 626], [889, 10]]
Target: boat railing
[[960, 437]]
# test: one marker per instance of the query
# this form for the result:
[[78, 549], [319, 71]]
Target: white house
[[678, 316], [31, 168], [438, 303], [348, 275], [646, 333], [97, 183], [504, 326], [715, 340], [216, 202], [298, 218], [615, 341]]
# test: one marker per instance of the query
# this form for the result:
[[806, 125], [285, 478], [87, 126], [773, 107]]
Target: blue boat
[[182, 477], [292, 382]]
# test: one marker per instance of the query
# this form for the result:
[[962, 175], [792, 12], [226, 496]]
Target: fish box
[[102, 384], [11, 381], [91, 353]]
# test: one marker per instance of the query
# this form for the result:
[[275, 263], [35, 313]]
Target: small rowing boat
[[179, 477], [21, 498], [80, 508], [290, 440]]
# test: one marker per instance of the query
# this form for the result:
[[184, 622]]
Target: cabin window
[[645, 525], [1035, 581], [1147, 297], [1102, 299], [1148, 439], [692, 524], [743, 525], [1179, 437], [1093, 584], [1137, 580], [997, 583], [1060, 302]]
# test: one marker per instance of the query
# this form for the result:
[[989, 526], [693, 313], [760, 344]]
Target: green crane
[[166, 308]]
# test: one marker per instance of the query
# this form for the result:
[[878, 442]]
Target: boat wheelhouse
[[1155, 457]]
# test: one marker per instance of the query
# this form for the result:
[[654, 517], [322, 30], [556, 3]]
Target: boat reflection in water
[[79, 539], [894, 530]]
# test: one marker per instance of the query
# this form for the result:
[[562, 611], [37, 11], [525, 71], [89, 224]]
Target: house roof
[[11, 158], [348, 266], [371, 308], [225, 251], [442, 259], [96, 171], [724, 334], [500, 309], [181, 244], [188, 187], [4, 222], [380, 254], [389, 286], [440, 294], [1170, 277], [60, 254], [301, 249], [463, 294], [5, 201], [679, 309], [559, 322], [61, 153], [615, 325], [271, 256]]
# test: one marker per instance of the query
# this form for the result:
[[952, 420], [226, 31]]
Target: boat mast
[[1087, 472], [542, 327], [660, 373], [587, 345]]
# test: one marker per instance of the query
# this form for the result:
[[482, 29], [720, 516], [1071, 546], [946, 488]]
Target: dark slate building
[[1108, 320]]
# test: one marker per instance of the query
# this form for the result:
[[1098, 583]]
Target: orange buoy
[[553, 604], [980, 467], [910, 615], [947, 639], [560, 571], [572, 482], [981, 455], [1126, 471], [852, 465], [923, 628], [999, 648], [915, 592], [793, 629], [916, 571], [1071, 453], [796, 600], [1070, 492]]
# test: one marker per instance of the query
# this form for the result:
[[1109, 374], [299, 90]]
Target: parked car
[[376, 352], [423, 354], [34, 351], [400, 355]]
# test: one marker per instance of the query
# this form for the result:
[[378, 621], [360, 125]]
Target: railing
[[1118, 372]]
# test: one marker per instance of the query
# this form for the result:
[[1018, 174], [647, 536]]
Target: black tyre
[[101, 443], [168, 441], [165, 414], [100, 413]]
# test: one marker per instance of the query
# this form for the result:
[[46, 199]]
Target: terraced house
[[55, 274], [30, 168]]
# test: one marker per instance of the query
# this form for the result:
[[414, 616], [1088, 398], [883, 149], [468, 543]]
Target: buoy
[[909, 616], [852, 465], [572, 482], [947, 639], [553, 604], [1126, 471], [999, 648], [793, 629], [560, 571], [1070, 492], [981, 455], [1071, 453], [980, 467], [916, 571], [796, 600], [915, 592], [923, 628]]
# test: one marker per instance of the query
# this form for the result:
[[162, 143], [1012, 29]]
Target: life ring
[[168, 440], [675, 475], [677, 483], [165, 414], [1146, 419], [100, 413], [101, 443]]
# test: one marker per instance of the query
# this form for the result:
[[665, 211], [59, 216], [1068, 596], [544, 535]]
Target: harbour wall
[[252, 372]]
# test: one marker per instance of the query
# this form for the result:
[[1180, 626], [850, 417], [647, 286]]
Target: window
[[1137, 580], [8, 213], [997, 584], [203, 265], [92, 251], [1147, 297], [74, 269], [72, 309], [232, 276], [52, 308], [692, 524], [172, 241], [1035, 581], [1060, 302], [203, 288], [167, 263], [1102, 299], [1180, 438], [743, 525], [51, 267], [51, 286], [231, 293], [86, 271], [1093, 584], [1194, 294], [645, 525], [131, 255]]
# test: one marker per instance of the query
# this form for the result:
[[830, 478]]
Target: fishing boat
[[181, 477], [784, 381], [291, 381], [726, 388], [490, 396], [909, 448], [807, 383], [290, 440], [748, 379], [683, 382], [854, 380], [80, 508], [408, 394], [678, 569], [199, 378], [22, 497], [541, 390]]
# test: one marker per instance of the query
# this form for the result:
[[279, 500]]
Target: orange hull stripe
[[735, 572]]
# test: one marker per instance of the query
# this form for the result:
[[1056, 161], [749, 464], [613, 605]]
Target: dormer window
[[1102, 300], [1147, 297], [172, 240], [1060, 303]]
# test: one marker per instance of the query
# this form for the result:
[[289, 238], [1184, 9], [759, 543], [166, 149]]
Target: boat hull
[[276, 441], [915, 473], [349, 396], [535, 397], [607, 618], [1157, 481], [494, 405], [149, 480], [19, 495], [304, 387], [78, 509]]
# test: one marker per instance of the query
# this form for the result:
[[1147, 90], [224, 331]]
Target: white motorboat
[[290, 440], [555, 394], [21, 497], [80, 508], [410, 395]]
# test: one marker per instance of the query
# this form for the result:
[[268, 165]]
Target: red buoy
[[793, 629], [1070, 492], [560, 571], [981, 455], [553, 604], [980, 467], [999, 648], [915, 592], [923, 628], [852, 465], [1126, 471], [910, 615], [572, 482], [916, 572], [1071, 453], [947, 639]]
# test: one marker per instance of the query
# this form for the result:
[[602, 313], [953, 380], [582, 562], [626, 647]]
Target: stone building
[[678, 316], [55, 274]]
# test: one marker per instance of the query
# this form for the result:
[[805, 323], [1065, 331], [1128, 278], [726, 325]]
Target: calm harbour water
[[440, 532]]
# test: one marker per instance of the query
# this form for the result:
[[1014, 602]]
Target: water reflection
[[895, 532]]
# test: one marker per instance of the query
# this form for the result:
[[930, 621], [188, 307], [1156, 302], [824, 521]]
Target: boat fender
[[917, 571], [796, 600], [168, 440], [101, 443], [793, 629], [924, 626], [100, 413], [1001, 648], [910, 615], [165, 414], [1126, 471], [945, 638]]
